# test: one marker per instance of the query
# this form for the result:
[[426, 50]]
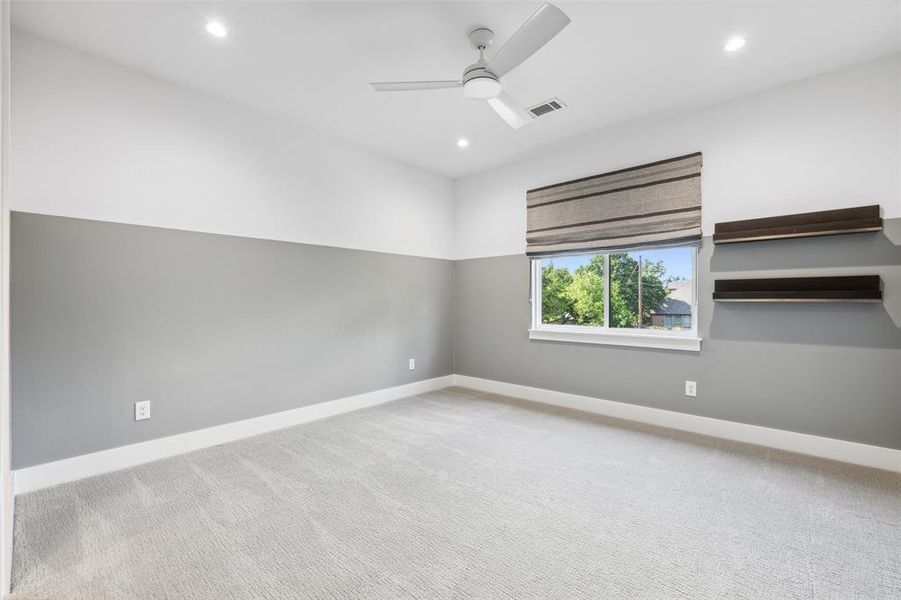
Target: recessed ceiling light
[[735, 43], [216, 29], [462, 143]]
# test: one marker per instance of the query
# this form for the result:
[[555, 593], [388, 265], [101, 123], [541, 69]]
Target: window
[[639, 298]]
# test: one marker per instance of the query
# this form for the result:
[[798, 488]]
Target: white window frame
[[688, 340]]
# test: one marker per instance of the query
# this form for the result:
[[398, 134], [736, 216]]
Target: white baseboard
[[801, 443], [114, 459]]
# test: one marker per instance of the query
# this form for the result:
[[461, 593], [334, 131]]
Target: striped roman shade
[[656, 204]]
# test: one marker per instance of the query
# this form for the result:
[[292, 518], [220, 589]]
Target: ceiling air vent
[[547, 107]]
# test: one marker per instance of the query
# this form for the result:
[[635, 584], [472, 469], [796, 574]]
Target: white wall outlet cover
[[142, 410], [412, 363], [691, 388]]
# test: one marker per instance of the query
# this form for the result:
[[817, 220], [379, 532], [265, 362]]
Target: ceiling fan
[[481, 80]]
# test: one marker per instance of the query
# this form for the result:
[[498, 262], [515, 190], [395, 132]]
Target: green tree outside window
[[578, 298]]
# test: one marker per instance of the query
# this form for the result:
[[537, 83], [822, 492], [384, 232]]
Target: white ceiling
[[616, 61]]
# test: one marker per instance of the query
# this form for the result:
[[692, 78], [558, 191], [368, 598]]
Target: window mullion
[[535, 293], [607, 291], [694, 289]]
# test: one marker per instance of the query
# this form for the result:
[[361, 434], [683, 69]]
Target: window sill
[[616, 338]]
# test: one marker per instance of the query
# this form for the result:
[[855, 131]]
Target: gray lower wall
[[832, 370], [209, 328], [213, 329]]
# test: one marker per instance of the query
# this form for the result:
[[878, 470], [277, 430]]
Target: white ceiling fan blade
[[511, 112], [541, 27], [404, 86]]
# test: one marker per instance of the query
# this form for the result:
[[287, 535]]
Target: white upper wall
[[831, 141], [95, 140]]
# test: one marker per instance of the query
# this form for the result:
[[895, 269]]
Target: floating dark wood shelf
[[826, 222], [860, 288]]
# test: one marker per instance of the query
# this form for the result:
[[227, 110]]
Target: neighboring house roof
[[678, 302]]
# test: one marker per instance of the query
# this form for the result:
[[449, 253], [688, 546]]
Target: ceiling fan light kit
[[481, 80], [481, 87]]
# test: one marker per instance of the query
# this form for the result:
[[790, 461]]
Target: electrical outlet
[[412, 363], [691, 388], [142, 410]]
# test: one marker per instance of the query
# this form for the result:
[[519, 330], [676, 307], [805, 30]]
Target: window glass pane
[[656, 283], [572, 290]]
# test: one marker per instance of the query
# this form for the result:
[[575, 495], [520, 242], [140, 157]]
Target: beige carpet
[[455, 494]]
